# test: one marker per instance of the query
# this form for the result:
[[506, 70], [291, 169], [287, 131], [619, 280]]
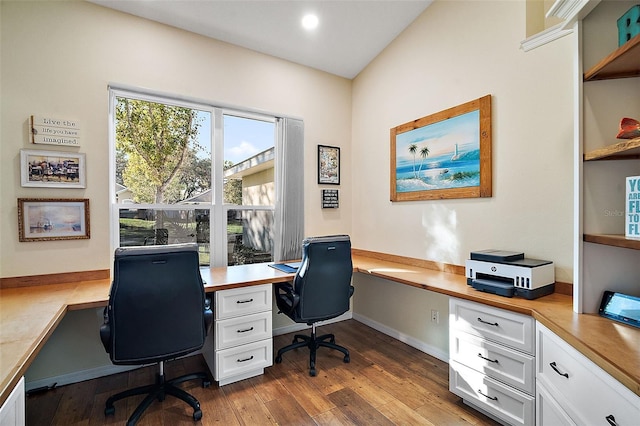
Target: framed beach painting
[[49, 219], [444, 155], [54, 169]]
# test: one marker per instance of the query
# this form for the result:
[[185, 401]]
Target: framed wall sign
[[443, 155], [48, 219], [54, 169], [328, 165]]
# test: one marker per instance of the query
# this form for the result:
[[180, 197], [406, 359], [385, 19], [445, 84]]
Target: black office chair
[[320, 291], [157, 311]]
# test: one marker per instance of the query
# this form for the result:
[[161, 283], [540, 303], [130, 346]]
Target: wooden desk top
[[28, 315]]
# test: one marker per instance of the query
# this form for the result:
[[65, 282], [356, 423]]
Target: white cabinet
[[12, 412], [491, 365], [577, 388], [240, 345]]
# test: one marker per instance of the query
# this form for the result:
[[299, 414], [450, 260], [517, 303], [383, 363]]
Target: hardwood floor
[[386, 383]]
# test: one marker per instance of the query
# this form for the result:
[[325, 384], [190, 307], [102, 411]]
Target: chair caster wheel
[[109, 411], [197, 415], [278, 359], [347, 359], [312, 372], [206, 383]]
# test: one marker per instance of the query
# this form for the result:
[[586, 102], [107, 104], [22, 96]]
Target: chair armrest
[[286, 298], [208, 315], [105, 331]]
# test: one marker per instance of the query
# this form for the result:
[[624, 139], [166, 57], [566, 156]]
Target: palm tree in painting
[[413, 148], [424, 152]]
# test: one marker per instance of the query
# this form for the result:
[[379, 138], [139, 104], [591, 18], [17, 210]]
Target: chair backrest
[[156, 304], [323, 280]]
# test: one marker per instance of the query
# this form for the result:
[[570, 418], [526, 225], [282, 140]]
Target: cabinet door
[[242, 301], [502, 401], [548, 410], [12, 412], [498, 325], [512, 367], [240, 330], [242, 359], [589, 394]]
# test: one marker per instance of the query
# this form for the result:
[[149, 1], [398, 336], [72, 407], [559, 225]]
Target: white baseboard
[[411, 341], [93, 373], [78, 376]]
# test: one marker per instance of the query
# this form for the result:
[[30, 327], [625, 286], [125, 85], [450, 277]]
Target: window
[[189, 172]]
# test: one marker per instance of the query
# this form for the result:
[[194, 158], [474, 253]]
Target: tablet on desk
[[621, 307]]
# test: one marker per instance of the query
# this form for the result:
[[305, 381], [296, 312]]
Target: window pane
[[248, 161], [163, 153], [146, 227], [249, 236]]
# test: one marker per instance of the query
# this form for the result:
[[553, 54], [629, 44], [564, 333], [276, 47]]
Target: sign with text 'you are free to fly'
[[632, 216]]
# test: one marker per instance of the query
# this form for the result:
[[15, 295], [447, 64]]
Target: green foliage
[[156, 144]]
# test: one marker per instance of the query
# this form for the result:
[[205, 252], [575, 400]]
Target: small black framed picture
[[328, 165]]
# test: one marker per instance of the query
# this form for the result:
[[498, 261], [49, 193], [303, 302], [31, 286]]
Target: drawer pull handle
[[495, 324], [245, 330], [244, 301], [555, 368], [246, 359], [611, 420], [487, 359], [493, 398]]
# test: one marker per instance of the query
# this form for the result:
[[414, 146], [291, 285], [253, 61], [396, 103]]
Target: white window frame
[[217, 209]]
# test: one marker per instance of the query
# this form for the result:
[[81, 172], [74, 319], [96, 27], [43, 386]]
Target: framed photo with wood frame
[[328, 165], [444, 155], [49, 219], [54, 169]]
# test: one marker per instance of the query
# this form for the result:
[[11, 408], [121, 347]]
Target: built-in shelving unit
[[627, 149], [622, 63]]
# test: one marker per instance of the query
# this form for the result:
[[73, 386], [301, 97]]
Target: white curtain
[[289, 220]]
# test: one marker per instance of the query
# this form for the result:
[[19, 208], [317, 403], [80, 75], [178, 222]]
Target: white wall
[[455, 52], [59, 57]]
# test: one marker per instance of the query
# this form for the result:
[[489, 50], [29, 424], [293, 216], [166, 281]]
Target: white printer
[[510, 274]]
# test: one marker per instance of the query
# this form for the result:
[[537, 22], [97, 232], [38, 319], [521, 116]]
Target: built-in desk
[[28, 315]]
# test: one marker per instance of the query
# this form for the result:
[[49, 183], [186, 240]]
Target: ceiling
[[349, 35]]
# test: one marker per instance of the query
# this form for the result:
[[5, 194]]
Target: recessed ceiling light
[[310, 21]]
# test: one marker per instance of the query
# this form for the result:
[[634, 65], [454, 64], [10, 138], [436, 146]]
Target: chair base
[[158, 391], [313, 343]]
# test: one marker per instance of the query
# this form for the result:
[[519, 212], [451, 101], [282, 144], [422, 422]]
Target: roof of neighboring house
[[259, 162]]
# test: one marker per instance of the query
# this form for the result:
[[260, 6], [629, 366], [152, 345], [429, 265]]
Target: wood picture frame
[[49, 219], [328, 165], [444, 155], [54, 169]]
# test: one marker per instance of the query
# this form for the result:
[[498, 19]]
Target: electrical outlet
[[435, 316]]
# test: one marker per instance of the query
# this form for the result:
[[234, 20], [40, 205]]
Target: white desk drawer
[[589, 394], [244, 329], [241, 359], [548, 411], [504, 402], [508, 328], [512, 367], [242, 301]]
